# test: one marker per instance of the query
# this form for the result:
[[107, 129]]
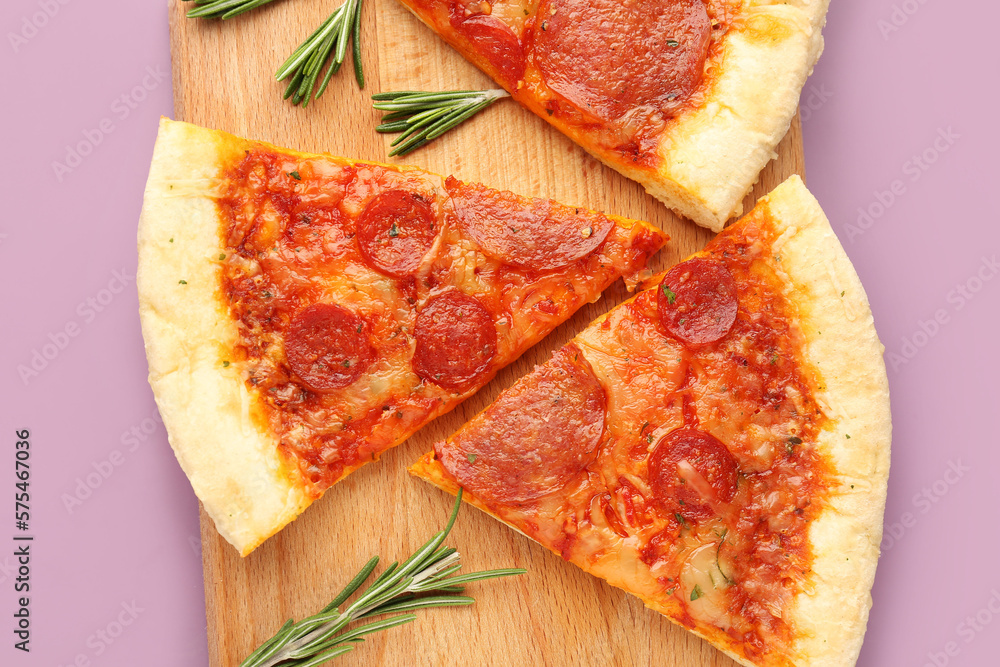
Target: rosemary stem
[[289, 650], [346, 11], [304, 51], [421, 117], [359, 74], [323, 636], [325, 47]]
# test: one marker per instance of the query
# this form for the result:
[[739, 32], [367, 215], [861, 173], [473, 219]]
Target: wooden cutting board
[[554, 615]]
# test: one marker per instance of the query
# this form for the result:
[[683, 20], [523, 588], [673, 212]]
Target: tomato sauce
[[709, 442], [619, 72], [370, 300]]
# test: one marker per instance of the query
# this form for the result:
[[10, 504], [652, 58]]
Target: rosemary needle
[[324, 636], [327, 44], [222, 9], [423, 117]]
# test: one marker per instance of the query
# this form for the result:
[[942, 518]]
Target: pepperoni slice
[[491, 37], [526, 233], [395, 232], [608, 57], [328, 347], [536, 437], [456, 340], [697, 301], [690, 471]]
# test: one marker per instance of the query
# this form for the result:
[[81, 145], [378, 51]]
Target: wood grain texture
[[554, 615]]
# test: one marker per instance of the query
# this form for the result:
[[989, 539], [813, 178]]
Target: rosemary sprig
[[400, 588], [423, 117], [327, 44], [222, 9]]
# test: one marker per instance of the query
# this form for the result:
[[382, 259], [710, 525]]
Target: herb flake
[[669, 293]]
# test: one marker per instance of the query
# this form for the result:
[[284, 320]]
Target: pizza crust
[[218, 423], [840, 343], [230, 457], [713, 156]]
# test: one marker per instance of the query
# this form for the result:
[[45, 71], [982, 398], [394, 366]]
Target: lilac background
[[888, 86]]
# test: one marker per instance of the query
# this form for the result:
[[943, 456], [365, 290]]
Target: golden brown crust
[[224, 432], [231, 460], [841, 343], [829, 614], [713, 155], [710, 155]]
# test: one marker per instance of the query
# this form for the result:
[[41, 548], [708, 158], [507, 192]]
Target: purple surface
[[899, 123]]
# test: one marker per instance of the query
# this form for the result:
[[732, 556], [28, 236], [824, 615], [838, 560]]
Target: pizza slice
[[688, 97], [304, 313], [717, 446]]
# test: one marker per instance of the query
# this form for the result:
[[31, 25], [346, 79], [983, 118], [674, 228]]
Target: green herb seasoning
[[422, 117], [400, 590], [326, 47]]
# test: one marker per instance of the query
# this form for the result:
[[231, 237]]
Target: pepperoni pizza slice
[[304, 313], [717, 446], [687, 97]]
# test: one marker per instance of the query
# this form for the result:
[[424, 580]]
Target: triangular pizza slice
[[718, 445], [687, 97], [304, 313]]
